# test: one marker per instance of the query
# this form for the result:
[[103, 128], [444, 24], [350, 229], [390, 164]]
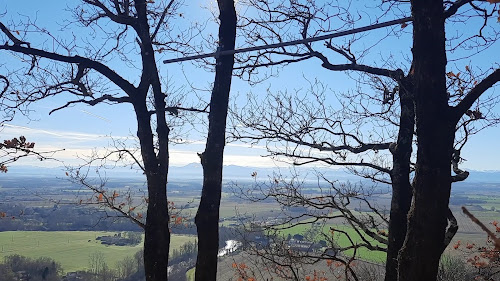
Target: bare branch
[[295, 42], [483, 227], [103, 98], [14, 149], [120, 18], [162, 18], [109, 202], [5, 86], [9, 34], [460, 109], [126, 86], [454, 7]]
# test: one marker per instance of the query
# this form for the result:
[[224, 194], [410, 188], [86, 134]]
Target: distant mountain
[[194, 171], [22, 171], [484, 176]]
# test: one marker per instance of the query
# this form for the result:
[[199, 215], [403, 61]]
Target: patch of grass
[[70, 248], [190, 274], [341, 239], [363, 253], [229, 209], [177, 241]]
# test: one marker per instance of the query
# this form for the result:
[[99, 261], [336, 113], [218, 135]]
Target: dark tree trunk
[[207, 217], [427, 219], [157, 234], [156, 163], [400, 177]]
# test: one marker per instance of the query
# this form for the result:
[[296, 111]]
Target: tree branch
[[109, 202], [454, 8], [452, 228], [11, 36], [6, 86], [126, 86], [121, 18], [330, 161], [460, 109], [94, 101], [162, 18], [496, 240], [393, 74]]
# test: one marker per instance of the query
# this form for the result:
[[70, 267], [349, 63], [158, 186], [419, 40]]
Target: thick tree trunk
[[427, 219], [400, 177], [207, 217]]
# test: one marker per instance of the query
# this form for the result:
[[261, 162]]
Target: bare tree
[[127, 267], [207, 215], [96, 263], [436, 121], [134, 28], [143, 22], [321, 134], [304, 137]]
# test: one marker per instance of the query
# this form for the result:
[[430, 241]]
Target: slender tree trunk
[[207, 217], [427, 219], [156, 163], [400, 177], [157, 234]]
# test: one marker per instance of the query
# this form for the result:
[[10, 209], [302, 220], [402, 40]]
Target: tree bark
[[400, 177], [157, 234], [427, 219], [156, 163], [207, 216]]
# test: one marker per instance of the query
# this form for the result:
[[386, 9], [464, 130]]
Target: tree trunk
[[207, 216], [156, 163], [427, 219], [157, 234], [400, 177]]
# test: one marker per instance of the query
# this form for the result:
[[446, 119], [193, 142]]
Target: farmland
[[70, 248], [342, 237], [31, 201]]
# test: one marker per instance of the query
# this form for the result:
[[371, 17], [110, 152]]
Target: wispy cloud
[[15, 130], [78, 146]]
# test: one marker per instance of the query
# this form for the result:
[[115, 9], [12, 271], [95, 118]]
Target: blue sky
[[80, 129]]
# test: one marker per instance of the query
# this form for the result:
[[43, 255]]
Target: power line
[[294, 42]]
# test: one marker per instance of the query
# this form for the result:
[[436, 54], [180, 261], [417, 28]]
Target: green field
[[70, 248], [492, 201], [342, 240], [190, 274]]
